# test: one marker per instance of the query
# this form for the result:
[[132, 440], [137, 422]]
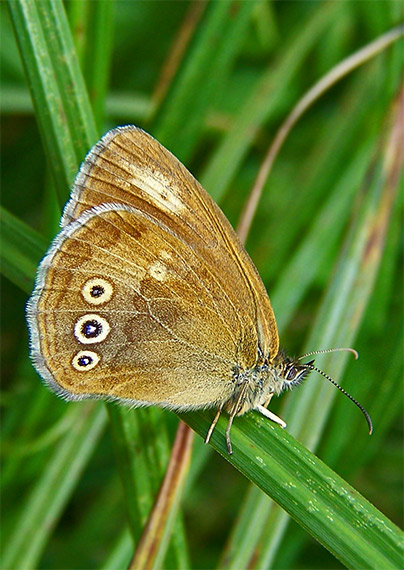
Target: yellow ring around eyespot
[[95, 320], [89, 355], [104, 296], [88, 288]]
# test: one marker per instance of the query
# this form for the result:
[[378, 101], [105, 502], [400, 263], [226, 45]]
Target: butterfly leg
[[266, 403], [233, 413], [238, 406], [213, 425], [271, 416], [228, 428]]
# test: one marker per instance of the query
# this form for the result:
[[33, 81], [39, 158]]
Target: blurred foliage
[[216, 102]]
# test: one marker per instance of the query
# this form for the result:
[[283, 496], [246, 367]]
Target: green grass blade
[[21, 250], [322, 502], [337, 323], [51, 492], [267, 93], [92, 29], [65, 118], [207, 64], [121, 554], [58, 92]]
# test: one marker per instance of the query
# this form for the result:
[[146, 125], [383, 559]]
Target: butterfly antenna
[[351, 350], [362, 409]]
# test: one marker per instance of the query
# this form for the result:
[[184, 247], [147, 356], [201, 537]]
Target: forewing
[[130, 167]]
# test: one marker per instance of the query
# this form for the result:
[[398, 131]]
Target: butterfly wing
[[123, 308], [130, 167]]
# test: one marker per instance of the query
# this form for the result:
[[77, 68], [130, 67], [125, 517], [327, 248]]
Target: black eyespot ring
[[91, 329], [97, 291], [85, 360]]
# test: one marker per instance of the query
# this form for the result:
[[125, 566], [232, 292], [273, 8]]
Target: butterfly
[[148, 297]]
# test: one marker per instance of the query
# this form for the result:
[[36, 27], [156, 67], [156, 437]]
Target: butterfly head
[[289, 371], [292, 372]]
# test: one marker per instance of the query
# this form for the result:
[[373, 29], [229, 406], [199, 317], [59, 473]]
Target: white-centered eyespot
[[97, 291], [91, 328], [85, 360]]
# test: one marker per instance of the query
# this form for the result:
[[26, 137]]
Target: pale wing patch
[[158, 270], [165, 254], [155, 186]]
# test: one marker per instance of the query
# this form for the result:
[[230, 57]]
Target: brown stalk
[[178, 51], [393, 161], [166, 502]]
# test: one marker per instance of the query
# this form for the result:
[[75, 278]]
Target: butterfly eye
[[291, 374], [294, 373]]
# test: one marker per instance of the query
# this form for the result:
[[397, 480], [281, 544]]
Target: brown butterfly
[[147, 296]]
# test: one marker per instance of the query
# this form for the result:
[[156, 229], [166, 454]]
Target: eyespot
[[97, 291], [85, 360], [91, 328]]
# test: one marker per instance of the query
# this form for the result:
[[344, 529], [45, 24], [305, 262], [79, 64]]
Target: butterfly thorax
[[255, 386]]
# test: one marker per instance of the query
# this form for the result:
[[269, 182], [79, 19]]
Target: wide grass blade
[[322, 502]]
